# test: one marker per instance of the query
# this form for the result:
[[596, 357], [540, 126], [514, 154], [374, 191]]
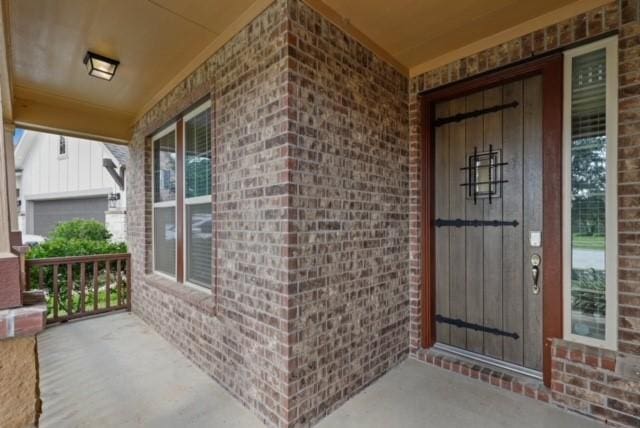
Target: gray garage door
[[47, 214]]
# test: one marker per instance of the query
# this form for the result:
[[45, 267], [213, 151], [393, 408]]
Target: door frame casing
[[551, 69]]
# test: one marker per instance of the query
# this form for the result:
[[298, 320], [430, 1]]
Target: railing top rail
[[77, 259]]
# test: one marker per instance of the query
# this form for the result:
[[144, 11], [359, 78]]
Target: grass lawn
[[588, 242]]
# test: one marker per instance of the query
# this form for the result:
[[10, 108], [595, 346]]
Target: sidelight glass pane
[[199, 230], [198, 155], [164, 240], [588, 190], [164, 165]]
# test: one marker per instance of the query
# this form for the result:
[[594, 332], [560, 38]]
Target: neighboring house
[[62, 178]]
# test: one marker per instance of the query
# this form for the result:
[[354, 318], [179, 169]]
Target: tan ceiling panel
[[50, 38], [213, 15], [398, 24], [414, 31], [480, 27]]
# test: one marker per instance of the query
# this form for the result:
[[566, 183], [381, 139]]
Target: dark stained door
[[488, 168]]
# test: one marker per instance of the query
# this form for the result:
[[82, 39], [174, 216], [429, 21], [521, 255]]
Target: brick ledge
[[201, 299], [24, 321], [519, 384]]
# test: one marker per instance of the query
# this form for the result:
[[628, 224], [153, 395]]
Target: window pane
[[164, 240], [588, 187], [199, 228], [197, 146], [164, 165]]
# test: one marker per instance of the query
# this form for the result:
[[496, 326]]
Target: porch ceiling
[[422, 35], [159, 42], [153, 40]]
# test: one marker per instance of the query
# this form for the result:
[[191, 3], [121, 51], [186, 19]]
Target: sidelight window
[[590, 189], [182, 210]]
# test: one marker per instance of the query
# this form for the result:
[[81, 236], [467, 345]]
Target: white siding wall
[[47, 175]]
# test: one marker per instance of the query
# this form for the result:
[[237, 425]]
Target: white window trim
[[164, 204], [611, 199], [164, 131], [197, 200], [196, 111]]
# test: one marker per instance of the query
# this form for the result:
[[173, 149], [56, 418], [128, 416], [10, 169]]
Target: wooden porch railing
[[82, 285]]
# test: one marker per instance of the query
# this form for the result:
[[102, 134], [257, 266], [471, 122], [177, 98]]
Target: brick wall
[[238, 334], [10, 294], [585, 379], [316, 175], [311, 179], [628, 178], [350, 232]]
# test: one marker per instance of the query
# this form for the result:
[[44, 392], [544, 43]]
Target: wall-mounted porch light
[[100, 66], [113, 200]]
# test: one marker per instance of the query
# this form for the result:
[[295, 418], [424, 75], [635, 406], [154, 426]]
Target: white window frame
[[164, 204], [197, 200], [611, 198]]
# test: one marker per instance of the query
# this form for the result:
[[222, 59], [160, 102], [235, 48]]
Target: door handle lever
[[535, 272]]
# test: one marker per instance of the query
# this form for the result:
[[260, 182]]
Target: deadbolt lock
[[535, 272]]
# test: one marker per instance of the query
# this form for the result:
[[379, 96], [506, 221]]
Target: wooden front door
[[488, 216]]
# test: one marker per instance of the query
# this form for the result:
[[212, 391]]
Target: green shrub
[[75, 247], [77, 238], [81, 229]]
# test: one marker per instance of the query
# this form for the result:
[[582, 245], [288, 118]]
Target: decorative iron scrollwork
[[458, 222], [476, 327], [484, 175], [462, 116]]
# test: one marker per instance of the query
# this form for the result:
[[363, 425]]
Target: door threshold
[[503, 365]]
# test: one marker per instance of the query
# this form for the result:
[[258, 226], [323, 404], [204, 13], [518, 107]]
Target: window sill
[[589, 342], [202, 299]]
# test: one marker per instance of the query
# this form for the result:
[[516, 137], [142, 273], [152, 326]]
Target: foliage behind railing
[[588, 291], [79, 286]]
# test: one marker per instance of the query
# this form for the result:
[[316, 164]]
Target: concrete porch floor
[[115, 371]]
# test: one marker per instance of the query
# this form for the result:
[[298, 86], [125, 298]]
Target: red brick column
[[9, 281]]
